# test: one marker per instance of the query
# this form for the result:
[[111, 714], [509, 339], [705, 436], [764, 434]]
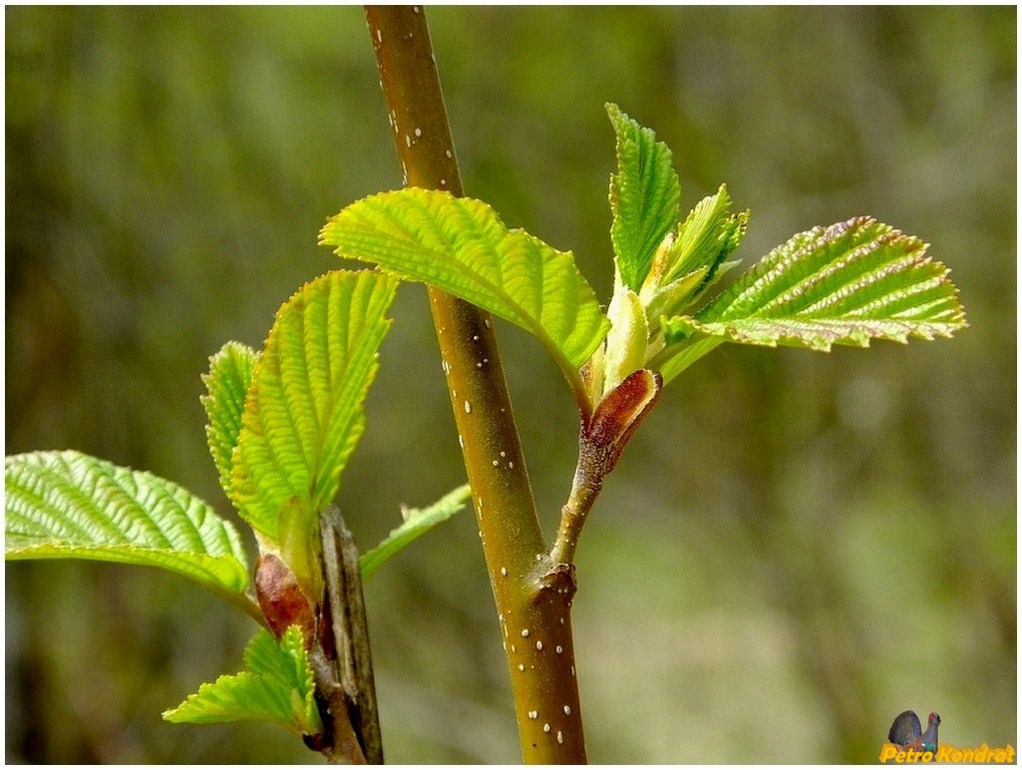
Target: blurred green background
[[794, 549]]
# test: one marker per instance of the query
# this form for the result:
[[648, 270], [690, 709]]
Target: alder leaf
[[278, 688], [64, 505], [230, 374], [644, 197], [416, 524], [304, 412], [707, 237], [840, 285], [461, 246]]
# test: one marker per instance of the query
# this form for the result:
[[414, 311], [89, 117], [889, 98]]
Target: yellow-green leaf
[[461, 246], [278, 688], [304, 412], [68, 505], [230, 374], [644, 197], [417, 522], [840, 285]]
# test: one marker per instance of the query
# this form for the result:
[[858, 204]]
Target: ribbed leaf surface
[[708, 236], [70, 505], [304, 409], [230, 374], [277, 688], [461, 246], [840, 285], [644, 197], [416, 524]]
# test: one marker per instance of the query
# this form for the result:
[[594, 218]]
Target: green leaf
[[841, 285], [644, 197], [304, 410], [230, 374], [63, 505], [461, 246], [417, 523], [278, 688], [708, 236]]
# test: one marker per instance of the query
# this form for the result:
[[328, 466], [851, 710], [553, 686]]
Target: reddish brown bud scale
[[281, 599], [616, 418]]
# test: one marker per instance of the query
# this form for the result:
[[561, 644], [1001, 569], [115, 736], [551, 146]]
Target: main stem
[[532, 594]]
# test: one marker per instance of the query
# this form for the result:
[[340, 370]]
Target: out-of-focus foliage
[[795, 549]]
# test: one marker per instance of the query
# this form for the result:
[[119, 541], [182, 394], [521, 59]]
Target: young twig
[[533, 597]]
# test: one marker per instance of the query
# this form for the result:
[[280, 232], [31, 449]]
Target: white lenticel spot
[[418, 133], [546, 727], [468, 408], [503, 571], [533, 714], [560, 737], [567, 710], [539, 646], [521, 667], [525, 632]]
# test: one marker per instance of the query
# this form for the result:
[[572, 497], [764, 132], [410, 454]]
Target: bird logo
[[907, 732]]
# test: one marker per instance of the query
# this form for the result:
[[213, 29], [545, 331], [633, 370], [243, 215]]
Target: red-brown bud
[[618, 415], [281, 599]]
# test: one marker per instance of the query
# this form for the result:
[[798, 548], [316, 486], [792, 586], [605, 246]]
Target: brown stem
[[601, 440], [532, 594], [349, 634]]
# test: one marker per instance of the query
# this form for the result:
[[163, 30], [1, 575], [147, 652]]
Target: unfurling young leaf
[[627, 339], [230, 374], [303, 413], [644, 198], [278, 687], [703, 242], [840, 285], [67, 504], [461, 246]]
